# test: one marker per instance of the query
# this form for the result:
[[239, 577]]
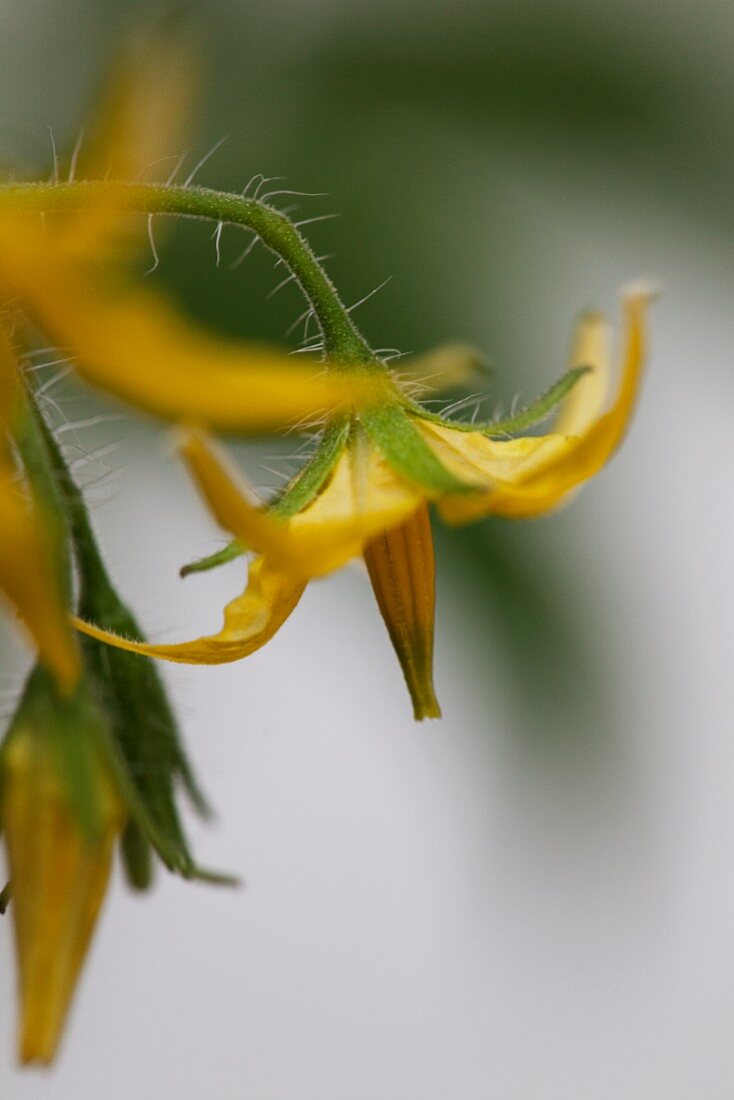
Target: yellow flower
[[61, 814], [366, 489], [29, 577]]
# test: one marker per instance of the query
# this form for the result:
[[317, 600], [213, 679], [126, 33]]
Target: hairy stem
[[342, 339]]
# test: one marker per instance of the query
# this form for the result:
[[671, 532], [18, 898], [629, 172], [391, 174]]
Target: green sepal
[[296, 496], [72, 731], [137, 856], [230, 552], [528, 417], [148, 757], [173, 854], [403, 446], [309, 482], [146, 738], [29, 435], [145, 725]]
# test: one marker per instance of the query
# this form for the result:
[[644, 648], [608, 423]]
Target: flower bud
[[61, 813]]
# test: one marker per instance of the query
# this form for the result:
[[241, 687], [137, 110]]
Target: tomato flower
[[365, 493]]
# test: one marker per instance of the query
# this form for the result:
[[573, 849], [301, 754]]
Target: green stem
[[342, 339], [30, 437], [93, 573]]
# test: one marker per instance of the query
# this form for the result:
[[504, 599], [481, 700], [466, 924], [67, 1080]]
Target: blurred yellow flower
[[29, 575], [60, 814], [70, 272], [134, 343]]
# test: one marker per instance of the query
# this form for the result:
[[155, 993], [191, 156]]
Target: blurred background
[[533, 898]]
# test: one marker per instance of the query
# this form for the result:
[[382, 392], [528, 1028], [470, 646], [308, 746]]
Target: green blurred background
[[507, 164]]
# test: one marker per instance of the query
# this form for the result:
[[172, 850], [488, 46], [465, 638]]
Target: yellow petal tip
[[646, 290]]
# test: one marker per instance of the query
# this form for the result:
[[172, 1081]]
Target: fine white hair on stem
[[51, 382], [283, 282], [54, 154], [261, 184], [75, 155], [64, 424], [154, 250], [97, 455], [300, 194], [176, 168], [307, 324], [248, 185], [46, 400], [294, 456], [88, 422], [200, 163], [152, 164], [463, 403], [217, 235], [370, 295], [308, 350], [42, 351], [312, 422], [318, 218], [32, 368], [106, 480], [245, 253], [276, 473], [292, 328]]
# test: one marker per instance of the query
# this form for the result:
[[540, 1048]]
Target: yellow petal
[[362, 498], [135, 345], [28, 577], [586, 401], [59, 877], [143, 113], [402, 569], [28, 580], [250, 620], [137, 132], [530, 476]]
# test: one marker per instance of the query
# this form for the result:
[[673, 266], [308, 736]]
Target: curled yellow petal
[[250, 620], [401, 566], [59, 876], [362, 497], [532, 475]]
